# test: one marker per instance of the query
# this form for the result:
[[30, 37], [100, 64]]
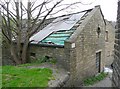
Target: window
[[32, 54], [98, 31], [106, 36]]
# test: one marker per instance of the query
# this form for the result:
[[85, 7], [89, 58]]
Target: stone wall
[[109, 44], [6, 57], [116, 65], [61, 54], [87, 43]]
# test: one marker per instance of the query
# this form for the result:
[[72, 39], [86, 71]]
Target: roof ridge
[[72, 13]]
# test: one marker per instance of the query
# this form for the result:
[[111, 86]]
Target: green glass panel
[[60, 43], [62, 38], [60, 35]]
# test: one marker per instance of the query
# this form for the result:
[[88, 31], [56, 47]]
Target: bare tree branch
[[38, 15], [3, 6], [34, 30], [4, 31], [40, 5], [67, 6], [33, 3]]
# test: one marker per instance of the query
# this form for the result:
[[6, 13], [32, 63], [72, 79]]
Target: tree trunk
[[25, 51], [26, 42], [14, 55], [19, 30]]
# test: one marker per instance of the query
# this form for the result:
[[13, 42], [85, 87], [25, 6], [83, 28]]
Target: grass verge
[[93, 80], [14, 76]]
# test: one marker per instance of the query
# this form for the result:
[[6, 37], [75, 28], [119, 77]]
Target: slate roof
[[60, 29]]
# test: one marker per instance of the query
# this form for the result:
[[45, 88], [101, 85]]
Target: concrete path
[[104, 83], [107, 82]]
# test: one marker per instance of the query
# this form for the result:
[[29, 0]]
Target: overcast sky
[[109, 7]]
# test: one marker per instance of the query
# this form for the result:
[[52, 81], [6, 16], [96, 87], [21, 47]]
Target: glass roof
[[58, 37], [59, 25]]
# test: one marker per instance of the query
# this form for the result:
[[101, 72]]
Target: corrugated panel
[[59, 24]]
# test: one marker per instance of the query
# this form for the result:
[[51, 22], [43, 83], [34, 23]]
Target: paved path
[[104, 83]]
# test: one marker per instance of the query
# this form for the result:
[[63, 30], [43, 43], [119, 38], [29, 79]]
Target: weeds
[[93, 80]]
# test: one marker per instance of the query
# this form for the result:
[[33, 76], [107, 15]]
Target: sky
[[109, 7]]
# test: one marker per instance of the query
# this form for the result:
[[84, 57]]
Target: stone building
[[116, 64], [77, 41], [109, 43]]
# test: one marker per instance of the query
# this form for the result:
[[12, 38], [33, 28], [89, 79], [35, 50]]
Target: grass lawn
[[14, 76]]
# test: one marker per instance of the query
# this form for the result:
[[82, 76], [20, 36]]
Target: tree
[[13, 23]]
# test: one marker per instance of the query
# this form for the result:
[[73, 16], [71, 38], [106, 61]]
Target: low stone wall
[[6, 57], [56, 52]]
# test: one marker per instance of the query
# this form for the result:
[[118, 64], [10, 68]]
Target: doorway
[[98, 61]]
